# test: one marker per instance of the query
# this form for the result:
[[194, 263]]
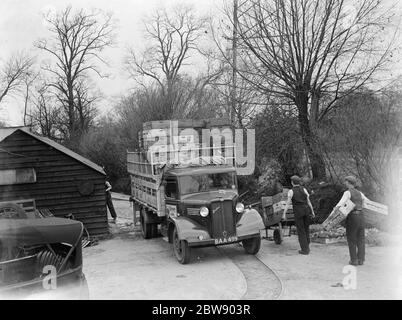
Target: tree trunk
[[316, 159], [315, 103], [26, 104], [73, 125]]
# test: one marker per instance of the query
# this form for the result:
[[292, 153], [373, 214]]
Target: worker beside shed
[[109, 201]]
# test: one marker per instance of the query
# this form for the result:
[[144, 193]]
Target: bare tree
[[246, 102], [172, 37], [44, 116], [29, 82], [86, 104], [78, 39], [13, 73], [311, 53], [362, 136]]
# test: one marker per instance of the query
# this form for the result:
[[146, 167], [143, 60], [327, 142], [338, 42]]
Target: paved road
[[148, 269], [128, 267]]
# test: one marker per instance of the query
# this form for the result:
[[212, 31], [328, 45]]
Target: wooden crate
[[270, 217], [375, 214], [27, 204], [218, 122], [337, 216], [167, 124], [266, 201], [273, 207], [187, 123], [328, 240]]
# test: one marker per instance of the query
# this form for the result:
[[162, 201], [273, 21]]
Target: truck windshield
[[207, 182]]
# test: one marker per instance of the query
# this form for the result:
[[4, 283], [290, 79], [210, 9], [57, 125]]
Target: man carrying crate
[[300, 199], [355, 223]]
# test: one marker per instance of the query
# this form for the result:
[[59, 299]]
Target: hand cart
[[271, 213]]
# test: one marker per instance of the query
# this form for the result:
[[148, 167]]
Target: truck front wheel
[[180, 248], [252, 245]]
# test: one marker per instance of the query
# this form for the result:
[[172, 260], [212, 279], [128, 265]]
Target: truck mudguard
[[189, 229], [250, 223]]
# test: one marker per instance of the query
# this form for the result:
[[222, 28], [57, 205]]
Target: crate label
[[347, 208], [281, 206]]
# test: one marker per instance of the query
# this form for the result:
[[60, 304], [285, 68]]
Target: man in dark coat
[[109, 202], [302, 209]]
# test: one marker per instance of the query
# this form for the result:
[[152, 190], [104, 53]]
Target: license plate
[[226, 240]]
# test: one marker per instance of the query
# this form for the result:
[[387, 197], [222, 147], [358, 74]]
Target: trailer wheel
[[146, 228], [277, 236], [252, 245], [180, 248]]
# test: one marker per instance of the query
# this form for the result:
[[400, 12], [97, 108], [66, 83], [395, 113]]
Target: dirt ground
[[318, 275], [128, 267]]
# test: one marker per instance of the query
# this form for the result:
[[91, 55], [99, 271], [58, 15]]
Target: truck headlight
[[171, 211], [239, 207], [204, 212]]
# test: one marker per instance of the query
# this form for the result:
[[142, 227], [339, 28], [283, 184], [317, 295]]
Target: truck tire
[[146, 227], [252, 245], [180, 248], [154, 230], [277, 236]]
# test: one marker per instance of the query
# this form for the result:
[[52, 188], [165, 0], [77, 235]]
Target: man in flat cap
[[355, 223], [302, 208]]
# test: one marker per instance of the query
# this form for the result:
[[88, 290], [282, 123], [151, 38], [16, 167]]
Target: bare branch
[[13, 74], [78, 40]]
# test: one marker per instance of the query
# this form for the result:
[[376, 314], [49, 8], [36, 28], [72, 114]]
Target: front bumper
[[196, 235], [196, 242]]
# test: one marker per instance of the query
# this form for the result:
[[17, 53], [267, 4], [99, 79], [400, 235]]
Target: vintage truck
[[195, 201]]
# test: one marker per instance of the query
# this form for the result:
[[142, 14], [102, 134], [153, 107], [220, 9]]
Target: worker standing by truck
[[300, 200]]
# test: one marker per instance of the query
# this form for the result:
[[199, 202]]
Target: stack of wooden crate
[[273, 207], [177, 131]]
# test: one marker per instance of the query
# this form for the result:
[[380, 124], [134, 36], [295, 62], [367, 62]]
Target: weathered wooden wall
[[58, 178]]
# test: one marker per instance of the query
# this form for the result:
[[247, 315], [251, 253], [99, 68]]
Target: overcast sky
[[21, 24]]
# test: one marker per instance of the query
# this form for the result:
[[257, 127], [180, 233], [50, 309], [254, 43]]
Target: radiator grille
[[223, 224], [193, 211]]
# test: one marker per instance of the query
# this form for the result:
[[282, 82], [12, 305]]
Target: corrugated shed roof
[[5, 132]]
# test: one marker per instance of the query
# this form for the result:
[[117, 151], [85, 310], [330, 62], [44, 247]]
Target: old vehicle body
[[196, 203], [40, 257]]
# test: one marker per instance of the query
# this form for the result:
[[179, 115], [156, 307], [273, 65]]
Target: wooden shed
[[38, 170]]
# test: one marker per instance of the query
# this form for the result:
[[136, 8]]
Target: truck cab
[[203, 209]]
